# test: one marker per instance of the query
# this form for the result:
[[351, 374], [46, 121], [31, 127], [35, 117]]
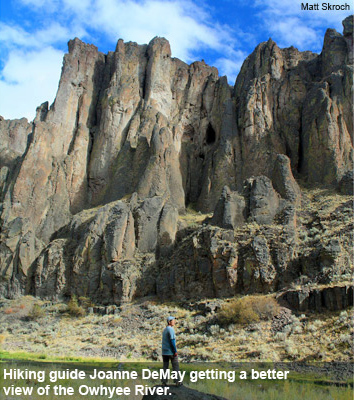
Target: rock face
[[230, 210], [100, 253], [91, 190], [283, 180], [346, 184], [333, 298], [258, 202]]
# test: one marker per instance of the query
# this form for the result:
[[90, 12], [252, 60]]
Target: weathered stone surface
[[259, 202], [201, 266], [142, 120], [215, 262], [100, 253], [330, 298], [282, 103], [263, 201], [269, 91], [230, 210], [139, 123], [283, 180], [87, 257], [212, 262], [167, 229], [119, 234], [346, 184], [348, 25], [327, 146], [258, 272], [13, 139], [348, 36], [147, 216], [19, 246]]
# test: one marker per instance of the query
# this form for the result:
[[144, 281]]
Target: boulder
[[262, 200], [167, 229], [258, 275], [283, 180], [230, 210], [91, 256], [346, 184], [146, 216]]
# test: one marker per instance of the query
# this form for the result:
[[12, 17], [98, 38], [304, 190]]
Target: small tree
[[37, 312], [74, 309]]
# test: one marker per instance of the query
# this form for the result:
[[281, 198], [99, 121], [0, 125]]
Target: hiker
[[169, 349]]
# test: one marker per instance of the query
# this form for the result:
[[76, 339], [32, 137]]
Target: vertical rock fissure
[[300, 149], [76, 126]]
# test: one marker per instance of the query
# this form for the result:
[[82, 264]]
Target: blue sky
[[34, 36]]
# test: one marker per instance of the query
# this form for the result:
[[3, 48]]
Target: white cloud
[[289, 25], [32, 62], [46, 6], [77, 6], [32, 65], [291, 31], [185, 25], [231, 66], [14, 36], [27, 80]]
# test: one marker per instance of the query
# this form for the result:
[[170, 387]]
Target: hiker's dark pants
[[174, 362]]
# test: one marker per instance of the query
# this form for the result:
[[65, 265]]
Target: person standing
[[169, 348]]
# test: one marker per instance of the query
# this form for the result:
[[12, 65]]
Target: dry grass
[[193, 218], [248, 309], [135, 334]]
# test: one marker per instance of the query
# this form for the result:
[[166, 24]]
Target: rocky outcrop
[[87, 255], [283, 180], [294, 101], [139, 124], [230, 210], [100, 253], [330, 298], [259, 202], [346, 184], [215, 262], [261, 258], [13, 134], [263, 201]]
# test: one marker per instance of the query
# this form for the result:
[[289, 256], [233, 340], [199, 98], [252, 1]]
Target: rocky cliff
[[93, 189]]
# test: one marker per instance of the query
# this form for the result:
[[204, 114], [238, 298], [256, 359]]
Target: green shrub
[[74, 309], [247, 310], [85, 302], [37, 312]]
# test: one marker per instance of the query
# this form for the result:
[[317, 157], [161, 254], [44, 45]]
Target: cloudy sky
[[34, 36]]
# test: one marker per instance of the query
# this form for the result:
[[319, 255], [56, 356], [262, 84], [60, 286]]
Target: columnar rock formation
[[92, 188]]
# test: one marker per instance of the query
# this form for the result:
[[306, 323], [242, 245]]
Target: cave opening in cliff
[[210, 135]]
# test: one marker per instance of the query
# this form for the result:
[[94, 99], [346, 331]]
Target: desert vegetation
[[249, 328]]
